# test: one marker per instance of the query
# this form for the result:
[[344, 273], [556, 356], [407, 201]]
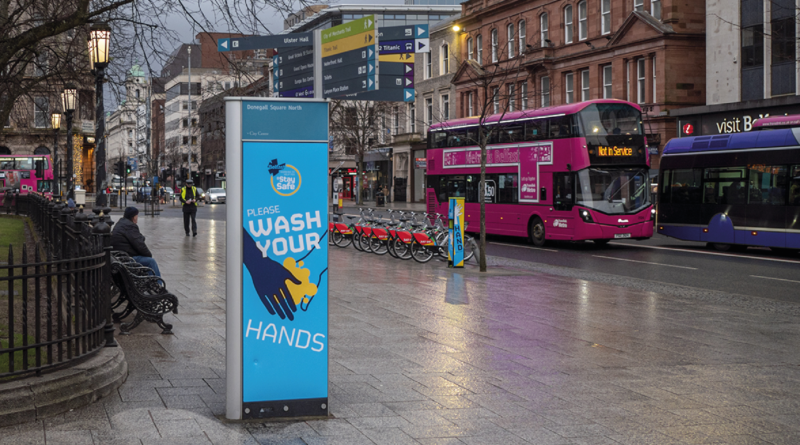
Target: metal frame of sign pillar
[[233, 328], [317, 64]]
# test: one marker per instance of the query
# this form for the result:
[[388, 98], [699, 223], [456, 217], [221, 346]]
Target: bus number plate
[[622, 235]]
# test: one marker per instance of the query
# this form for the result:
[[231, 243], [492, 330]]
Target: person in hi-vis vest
[[189, 201]]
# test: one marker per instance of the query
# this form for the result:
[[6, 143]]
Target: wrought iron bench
[[142, 292]]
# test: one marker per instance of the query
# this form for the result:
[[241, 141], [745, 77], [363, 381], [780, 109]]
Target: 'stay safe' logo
[[285, 179]]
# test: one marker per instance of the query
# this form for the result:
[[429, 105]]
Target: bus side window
[[684, 186], [563, 191], [39, 166], [665, 188], [794, 186], [536, 130]]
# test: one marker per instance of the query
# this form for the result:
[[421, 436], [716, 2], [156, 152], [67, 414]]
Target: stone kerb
[[56, 392]]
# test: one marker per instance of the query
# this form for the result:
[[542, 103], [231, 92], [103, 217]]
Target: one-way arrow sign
[[422, 46]]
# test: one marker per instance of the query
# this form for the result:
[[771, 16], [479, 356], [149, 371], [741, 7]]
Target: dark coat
[[188, 193], [127, 238]]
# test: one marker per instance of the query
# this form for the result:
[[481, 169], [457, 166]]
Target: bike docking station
[[455, 254], [277, 258]]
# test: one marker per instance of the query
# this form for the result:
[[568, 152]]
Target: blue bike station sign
[[277, 300]]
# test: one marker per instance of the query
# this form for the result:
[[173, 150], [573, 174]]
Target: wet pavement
[[422, 354]]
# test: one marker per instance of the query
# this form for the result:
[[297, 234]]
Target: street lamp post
[[99, 42], [69, 99], [55, 119]]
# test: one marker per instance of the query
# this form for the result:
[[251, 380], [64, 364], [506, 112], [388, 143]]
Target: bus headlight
[[586, 216], [652, 214]]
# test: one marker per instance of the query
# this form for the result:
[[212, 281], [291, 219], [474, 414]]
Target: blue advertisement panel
[[456, 226], [284, 309]]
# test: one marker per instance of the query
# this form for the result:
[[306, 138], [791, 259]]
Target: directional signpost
[[293, 72], [264, 42], [349, 58], [396, 48]]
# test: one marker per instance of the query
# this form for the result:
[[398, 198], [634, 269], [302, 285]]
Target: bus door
[[563, 222]]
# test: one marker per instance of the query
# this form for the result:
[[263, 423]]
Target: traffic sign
[[403, 33], [395, 46], [265, 42], [348, 55], [398, 58], [422, 46]]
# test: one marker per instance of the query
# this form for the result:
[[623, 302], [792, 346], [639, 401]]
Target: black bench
[[142, 292]]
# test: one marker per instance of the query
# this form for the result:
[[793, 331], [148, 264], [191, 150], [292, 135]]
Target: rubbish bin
[[113, 199], [380, 201], [80, 197]]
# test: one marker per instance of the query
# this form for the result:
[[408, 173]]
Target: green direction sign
[[348, 29]]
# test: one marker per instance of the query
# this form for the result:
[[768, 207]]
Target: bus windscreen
[[610, 119]]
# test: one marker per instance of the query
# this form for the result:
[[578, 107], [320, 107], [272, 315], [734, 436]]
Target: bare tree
[[356, 127]]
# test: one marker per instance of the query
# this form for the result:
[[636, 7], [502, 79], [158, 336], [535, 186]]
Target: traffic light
[[121, 169], [127, 170]]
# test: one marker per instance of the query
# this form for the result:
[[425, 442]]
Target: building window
[[521, 33], [130, 133], [628, 80], [607, 79], [583, 24], [41, 66], [640, 85], [605, 16], [523, 93], [185, 105], [543, 22], [654, 80], [638, 5], [412, 118], [569, 88], [479, 48], [655, 9], [470, 104], [545, 91], [137, 93], [445, 107], [568, 24], [427, 65], [584, 85], [784, 47], [429, 111], [194, 122], [494, 45], [469, 49], [445, 59], [396, 121], [186, 123], [510, 36], [41, 119], [186, 140], [512, 97], [496, 100], [194, 140]]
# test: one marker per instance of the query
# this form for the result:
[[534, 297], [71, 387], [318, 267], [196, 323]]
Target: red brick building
[[543, 52]]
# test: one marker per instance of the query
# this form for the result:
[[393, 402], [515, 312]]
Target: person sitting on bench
[[127, 238]]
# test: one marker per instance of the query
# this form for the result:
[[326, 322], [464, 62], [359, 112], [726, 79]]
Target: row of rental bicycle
[[404, 235]]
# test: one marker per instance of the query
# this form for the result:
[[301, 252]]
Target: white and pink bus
[[26, 173], [571, 172]]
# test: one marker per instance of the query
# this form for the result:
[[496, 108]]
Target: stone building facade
[[542, 53]]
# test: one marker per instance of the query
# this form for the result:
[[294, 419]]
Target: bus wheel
[[537, 232], [722, 247], [601, 242]]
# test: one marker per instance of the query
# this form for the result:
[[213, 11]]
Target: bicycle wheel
[[390, 247], [420, 253], [357, 240], [401, 249], [364, 242], [443, 244], [470, 247], [377, 246], [341, 240]]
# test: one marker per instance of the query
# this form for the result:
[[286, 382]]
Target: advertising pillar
[[277, 263], [456, 218]]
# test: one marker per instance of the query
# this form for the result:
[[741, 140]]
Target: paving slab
[[422, 354]]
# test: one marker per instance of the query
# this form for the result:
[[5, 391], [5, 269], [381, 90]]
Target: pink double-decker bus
[[26, 173], [571, 172]]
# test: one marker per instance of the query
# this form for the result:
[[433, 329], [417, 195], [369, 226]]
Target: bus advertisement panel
[[26, 173], [573, 172]]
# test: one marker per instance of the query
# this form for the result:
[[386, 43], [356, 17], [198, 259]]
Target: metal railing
[[57, 305]]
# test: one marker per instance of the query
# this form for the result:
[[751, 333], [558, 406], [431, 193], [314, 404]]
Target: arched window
[[568, 24], [521, 34], [510, 36], [543, 22], [470, 54], [4, 150], [41, 150], [479, 48], [494, 45]]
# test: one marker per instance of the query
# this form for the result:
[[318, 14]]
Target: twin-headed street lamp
[[69, 100], [55, 120], [99, 42]]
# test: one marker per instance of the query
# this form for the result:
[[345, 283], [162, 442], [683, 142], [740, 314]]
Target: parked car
[[201, 193], [215, 196]]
